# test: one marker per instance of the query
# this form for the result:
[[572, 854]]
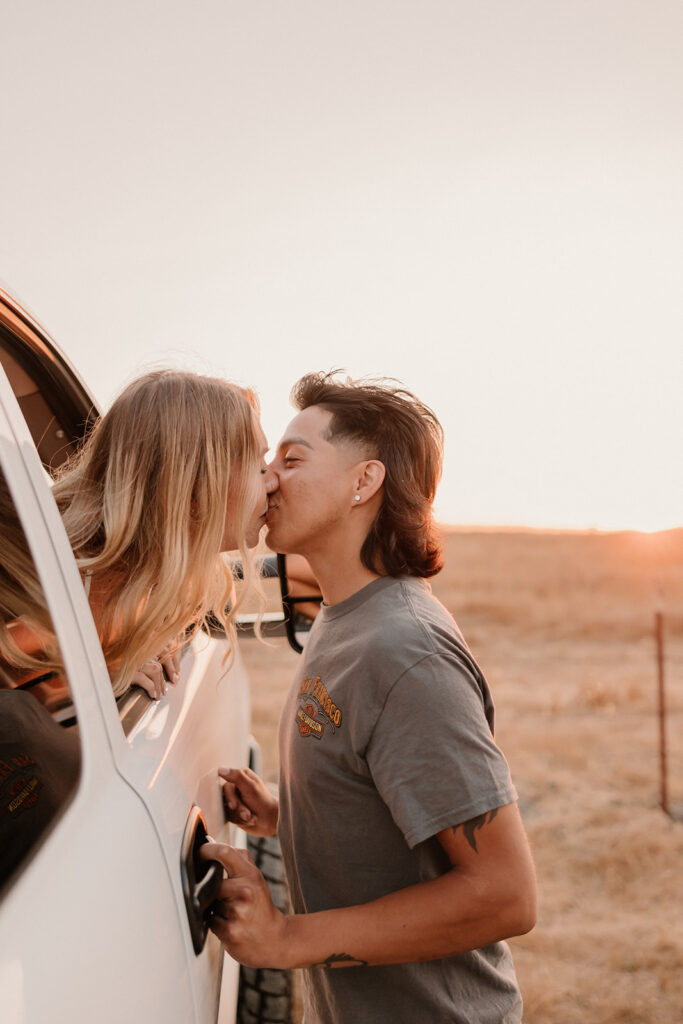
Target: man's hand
[[489, 894], [248, 801], [244, 916]]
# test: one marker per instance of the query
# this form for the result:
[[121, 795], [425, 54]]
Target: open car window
[[40, 753], [59, 411]]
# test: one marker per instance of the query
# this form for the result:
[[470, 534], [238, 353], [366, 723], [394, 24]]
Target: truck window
[[39, 744]]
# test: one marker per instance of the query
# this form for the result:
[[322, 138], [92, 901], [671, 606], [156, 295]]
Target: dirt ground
[[562, 624]]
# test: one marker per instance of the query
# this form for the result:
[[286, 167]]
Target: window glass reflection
[[39, 755]]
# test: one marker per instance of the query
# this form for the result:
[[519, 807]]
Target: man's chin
[[270, 538], [276, 542]]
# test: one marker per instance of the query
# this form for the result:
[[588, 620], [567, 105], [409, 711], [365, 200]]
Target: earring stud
[[357, 498]]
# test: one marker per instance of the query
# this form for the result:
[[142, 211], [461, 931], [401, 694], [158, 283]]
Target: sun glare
[[648, 525]]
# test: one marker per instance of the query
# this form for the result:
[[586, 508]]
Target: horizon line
[[565, 530]]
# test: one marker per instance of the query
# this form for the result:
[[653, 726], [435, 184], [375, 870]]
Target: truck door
[[89, 923], [166, 752]]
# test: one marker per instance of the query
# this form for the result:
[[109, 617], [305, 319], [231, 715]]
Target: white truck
[[101, 907]]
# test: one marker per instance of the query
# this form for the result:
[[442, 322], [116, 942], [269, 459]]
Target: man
[[406, 859]]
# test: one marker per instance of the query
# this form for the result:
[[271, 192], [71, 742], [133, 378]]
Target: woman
[[171, 476]]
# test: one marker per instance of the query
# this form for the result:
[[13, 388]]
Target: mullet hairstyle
[[389, 424], [144, 504]]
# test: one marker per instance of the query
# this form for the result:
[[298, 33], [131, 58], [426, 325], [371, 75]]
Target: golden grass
[[562, 625]]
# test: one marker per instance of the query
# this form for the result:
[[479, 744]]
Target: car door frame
[[215, 989], [40, 898]]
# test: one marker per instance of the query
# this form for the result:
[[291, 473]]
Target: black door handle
[[201, 879]]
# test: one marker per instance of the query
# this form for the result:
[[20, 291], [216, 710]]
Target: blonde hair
[[144, 505]]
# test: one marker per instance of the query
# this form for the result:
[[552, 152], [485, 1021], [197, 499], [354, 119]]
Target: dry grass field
[[562, 624]]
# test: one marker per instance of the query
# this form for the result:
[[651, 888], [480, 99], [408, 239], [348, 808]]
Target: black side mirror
[[300, 596], [301, 600]]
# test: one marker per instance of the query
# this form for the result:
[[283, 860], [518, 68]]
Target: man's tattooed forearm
[[341, 960], [470, 827]]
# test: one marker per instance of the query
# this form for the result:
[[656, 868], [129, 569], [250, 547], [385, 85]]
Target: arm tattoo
[[470, 827], [341, 960]]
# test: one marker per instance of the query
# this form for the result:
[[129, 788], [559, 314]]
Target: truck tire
[[265, 995]]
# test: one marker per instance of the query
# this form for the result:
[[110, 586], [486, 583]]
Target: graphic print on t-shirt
[[19, 785], [316, 709]]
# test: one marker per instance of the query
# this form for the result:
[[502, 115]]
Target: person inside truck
[[406, 859], [170, 478]]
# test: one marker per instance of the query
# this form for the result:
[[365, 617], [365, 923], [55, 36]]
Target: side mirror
[[301, 598]]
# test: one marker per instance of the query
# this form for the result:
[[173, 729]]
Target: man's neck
[[340, 578]]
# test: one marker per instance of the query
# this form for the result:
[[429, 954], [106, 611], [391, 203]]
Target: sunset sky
[[483, 200]]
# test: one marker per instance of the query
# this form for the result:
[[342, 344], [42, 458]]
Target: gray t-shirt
[[385, 740]]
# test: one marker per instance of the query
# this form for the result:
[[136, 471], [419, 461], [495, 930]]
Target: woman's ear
[[369, 480]]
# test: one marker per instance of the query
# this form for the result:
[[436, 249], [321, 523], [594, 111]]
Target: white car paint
[[94, 927]]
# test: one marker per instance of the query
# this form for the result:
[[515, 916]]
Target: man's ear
[[369, 480]]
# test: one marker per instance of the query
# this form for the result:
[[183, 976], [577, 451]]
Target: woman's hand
[[170, 660], [248, 802], [150, 676]]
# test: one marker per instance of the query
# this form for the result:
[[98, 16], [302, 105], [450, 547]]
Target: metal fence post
[[661, 702]]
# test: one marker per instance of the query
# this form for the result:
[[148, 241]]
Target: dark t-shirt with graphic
[[39, 766], [385, 740]]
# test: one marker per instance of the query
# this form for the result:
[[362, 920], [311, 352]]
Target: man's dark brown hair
[[393, 426]]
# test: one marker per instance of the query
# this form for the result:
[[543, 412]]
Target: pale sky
[[483, 200]]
